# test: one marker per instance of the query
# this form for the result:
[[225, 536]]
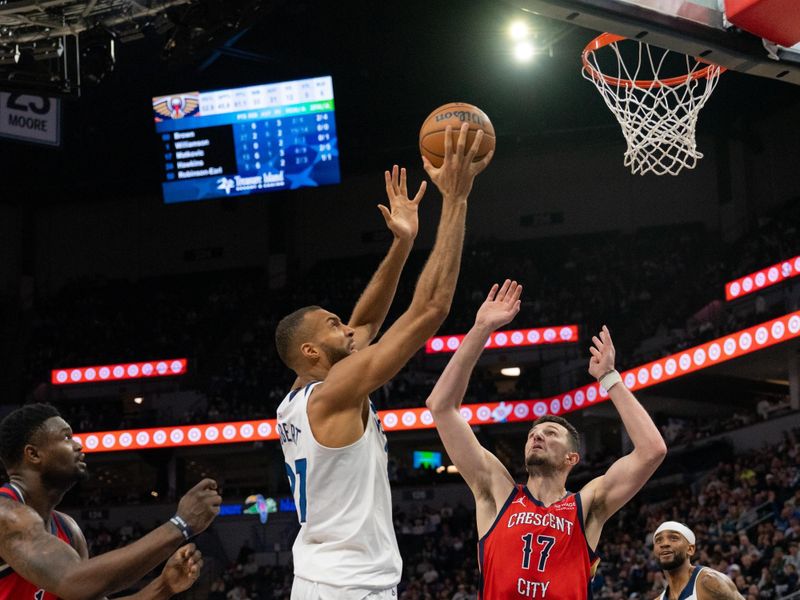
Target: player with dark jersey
[[674, 545], [43, 553], [11, 584], [538, 540]]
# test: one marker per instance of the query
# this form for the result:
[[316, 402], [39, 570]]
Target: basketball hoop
[[658, 115]]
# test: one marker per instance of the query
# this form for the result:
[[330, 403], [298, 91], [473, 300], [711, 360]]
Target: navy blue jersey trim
[[293, 393], [689, 588], [480, 569], [62, 522], [533, 498], [538, 502], [500, 513], [11, 492], [6, 572], [593, 555]]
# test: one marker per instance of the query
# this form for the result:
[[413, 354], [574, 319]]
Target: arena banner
[[728, 347], [763, 278], [513, 338], [30, 118]]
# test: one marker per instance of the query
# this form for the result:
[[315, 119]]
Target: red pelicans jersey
[[12, 586], [533, 551]]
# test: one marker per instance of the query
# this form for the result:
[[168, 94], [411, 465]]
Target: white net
[[658, 115]]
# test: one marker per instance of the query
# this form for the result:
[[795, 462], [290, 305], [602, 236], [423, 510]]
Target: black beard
[[64, 482], [678, 559], [334, 355]]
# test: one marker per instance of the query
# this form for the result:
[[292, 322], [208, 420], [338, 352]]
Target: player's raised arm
[[609, 492], [477, 465], [402, 220], [351, 379], [47, 562]]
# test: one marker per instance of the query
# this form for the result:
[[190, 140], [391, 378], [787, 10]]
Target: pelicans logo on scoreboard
[[167, 108]]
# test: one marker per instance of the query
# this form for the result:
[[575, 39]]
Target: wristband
[[606, 373], [183, 526], [610, 379]]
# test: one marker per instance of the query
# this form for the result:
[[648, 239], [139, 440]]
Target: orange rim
[[605, 39]]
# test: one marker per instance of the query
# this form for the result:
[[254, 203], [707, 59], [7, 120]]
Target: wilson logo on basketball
[[461, 115]]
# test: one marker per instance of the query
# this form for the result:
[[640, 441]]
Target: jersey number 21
[[298, 474]]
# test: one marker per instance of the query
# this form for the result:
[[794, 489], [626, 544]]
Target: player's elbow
[[78, 592], [78, 586], [655, 451], [434, 403], [431, 312], [435, 314]]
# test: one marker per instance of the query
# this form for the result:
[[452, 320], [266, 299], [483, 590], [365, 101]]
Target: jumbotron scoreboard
[[249, 140]]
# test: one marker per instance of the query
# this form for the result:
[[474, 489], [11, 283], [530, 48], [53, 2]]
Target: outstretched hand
[[501, 305], [457, 173], [603, 353], [401, 216], [182, 569]]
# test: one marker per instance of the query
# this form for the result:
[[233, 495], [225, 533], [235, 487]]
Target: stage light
[[510, 371], [524, 51], [138, 400], [519, 30]]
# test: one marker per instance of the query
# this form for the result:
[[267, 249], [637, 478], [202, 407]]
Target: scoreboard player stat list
[[247, 140]]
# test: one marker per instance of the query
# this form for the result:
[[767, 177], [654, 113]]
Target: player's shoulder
[[716, 584], [297, 394], [16, 517]]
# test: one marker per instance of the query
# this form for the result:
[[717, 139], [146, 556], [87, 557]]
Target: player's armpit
[[713, 585]]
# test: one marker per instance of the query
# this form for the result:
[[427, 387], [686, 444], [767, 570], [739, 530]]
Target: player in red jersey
[[538, 540], [43, 554]]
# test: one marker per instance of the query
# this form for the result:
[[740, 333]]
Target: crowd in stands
[[745, 514], [225, 321]]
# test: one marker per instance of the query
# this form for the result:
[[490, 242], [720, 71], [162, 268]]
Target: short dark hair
[[286, 332], [573, 433], [17, 429]]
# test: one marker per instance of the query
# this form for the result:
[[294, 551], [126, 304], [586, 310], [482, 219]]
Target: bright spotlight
[[138, 400], [518, 30], [510, 371], [523, 51]]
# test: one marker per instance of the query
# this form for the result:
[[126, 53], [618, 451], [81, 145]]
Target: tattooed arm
[[47, 562], [713, 585]]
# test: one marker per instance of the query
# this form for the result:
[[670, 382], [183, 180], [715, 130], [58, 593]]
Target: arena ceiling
[[392, 63]]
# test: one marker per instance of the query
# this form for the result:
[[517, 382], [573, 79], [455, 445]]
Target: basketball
[[432, 132]]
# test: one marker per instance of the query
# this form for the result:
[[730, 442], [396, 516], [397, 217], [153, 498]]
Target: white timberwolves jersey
[[688, 593], [343, 501]]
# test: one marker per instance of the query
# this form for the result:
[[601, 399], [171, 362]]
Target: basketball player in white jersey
[[332, 440], [673, 545]]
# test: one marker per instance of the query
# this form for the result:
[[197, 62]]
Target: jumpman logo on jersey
[[520, 501]]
